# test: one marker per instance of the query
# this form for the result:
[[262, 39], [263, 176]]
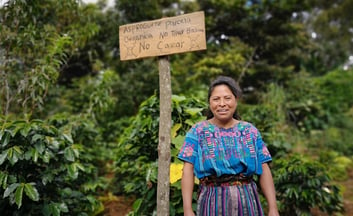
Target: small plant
[[44, 170], [302, 184]]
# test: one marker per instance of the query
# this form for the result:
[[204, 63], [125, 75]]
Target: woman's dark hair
[[232, 85]]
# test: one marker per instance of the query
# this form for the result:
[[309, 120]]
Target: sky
[[110, 2]]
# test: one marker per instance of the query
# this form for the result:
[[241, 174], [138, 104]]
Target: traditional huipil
[[225, 160]]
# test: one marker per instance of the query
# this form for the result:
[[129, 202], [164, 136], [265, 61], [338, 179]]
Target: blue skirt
[[229, 200]]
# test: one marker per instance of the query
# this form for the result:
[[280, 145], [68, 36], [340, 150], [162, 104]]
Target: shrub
[[302, 183], [44, 169]]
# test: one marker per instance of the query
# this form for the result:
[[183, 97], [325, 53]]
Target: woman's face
[[223, 103]]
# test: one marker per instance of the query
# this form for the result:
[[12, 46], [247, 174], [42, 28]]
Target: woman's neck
[[224, 124]]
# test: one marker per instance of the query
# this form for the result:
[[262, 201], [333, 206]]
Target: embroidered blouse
[[217, 151]]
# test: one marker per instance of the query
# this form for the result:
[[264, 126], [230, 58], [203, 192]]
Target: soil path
[[119, 206]]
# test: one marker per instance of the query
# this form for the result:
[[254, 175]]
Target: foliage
[[338, 136], [134, 87], [315, 102], [336, 164], [330, 22], [321, 107], [226, 59], [303, 183], [267, 28], [136, 167], [304, 105], [34, 46], [269, 116], [141, 10], [45, 168], [336, 87]]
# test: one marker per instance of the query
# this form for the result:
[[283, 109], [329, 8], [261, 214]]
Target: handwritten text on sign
[[165, 36]]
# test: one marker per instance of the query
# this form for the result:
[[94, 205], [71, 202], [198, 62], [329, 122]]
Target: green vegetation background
[[77, 125]]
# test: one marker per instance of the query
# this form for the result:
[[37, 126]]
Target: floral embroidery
[[214, 150]]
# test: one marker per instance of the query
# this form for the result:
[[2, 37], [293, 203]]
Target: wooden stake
[[165, 121]]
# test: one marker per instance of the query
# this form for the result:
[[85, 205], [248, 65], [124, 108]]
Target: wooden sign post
[[184, 33]]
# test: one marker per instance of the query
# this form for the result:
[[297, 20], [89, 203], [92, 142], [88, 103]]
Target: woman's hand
[[189, 213], [273, 212], [268, 189]]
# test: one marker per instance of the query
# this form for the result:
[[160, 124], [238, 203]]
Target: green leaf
[[72, 170], [31, 192], [28, 154], [25, 130], [54, 209], [189, 122], [80, 166], [18, 150], [10, 189], [36, 137], [137, 204], [3, 179], [178, 141], [3, 156], [15, 153], [10, 155], [35, 155], [175, 129], [63, 207], [17, 128], [76, 150], [5, 139], [2, 176], [68, 137], [193, 111], [48, 177], [178, 98], [32, 153], [40, 147], [18, 195], [37, 121], [46, 157], [69, 154]]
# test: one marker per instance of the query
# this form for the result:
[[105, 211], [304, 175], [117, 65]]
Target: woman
[[224, 153]]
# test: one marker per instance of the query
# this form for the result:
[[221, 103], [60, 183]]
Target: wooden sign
[[184, 33]]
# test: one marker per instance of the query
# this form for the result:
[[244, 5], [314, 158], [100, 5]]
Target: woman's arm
[[268, 189], [187, 188]]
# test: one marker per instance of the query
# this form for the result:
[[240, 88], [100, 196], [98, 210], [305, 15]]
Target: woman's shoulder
[[201, 124], [198, 127], [247, 125]]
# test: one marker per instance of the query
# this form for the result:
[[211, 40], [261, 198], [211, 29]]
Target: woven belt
[[226, 180]]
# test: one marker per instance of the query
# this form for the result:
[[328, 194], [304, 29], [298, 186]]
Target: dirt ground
[[120, 206]]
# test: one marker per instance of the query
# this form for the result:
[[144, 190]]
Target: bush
[[44, 170], [301, 184]]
